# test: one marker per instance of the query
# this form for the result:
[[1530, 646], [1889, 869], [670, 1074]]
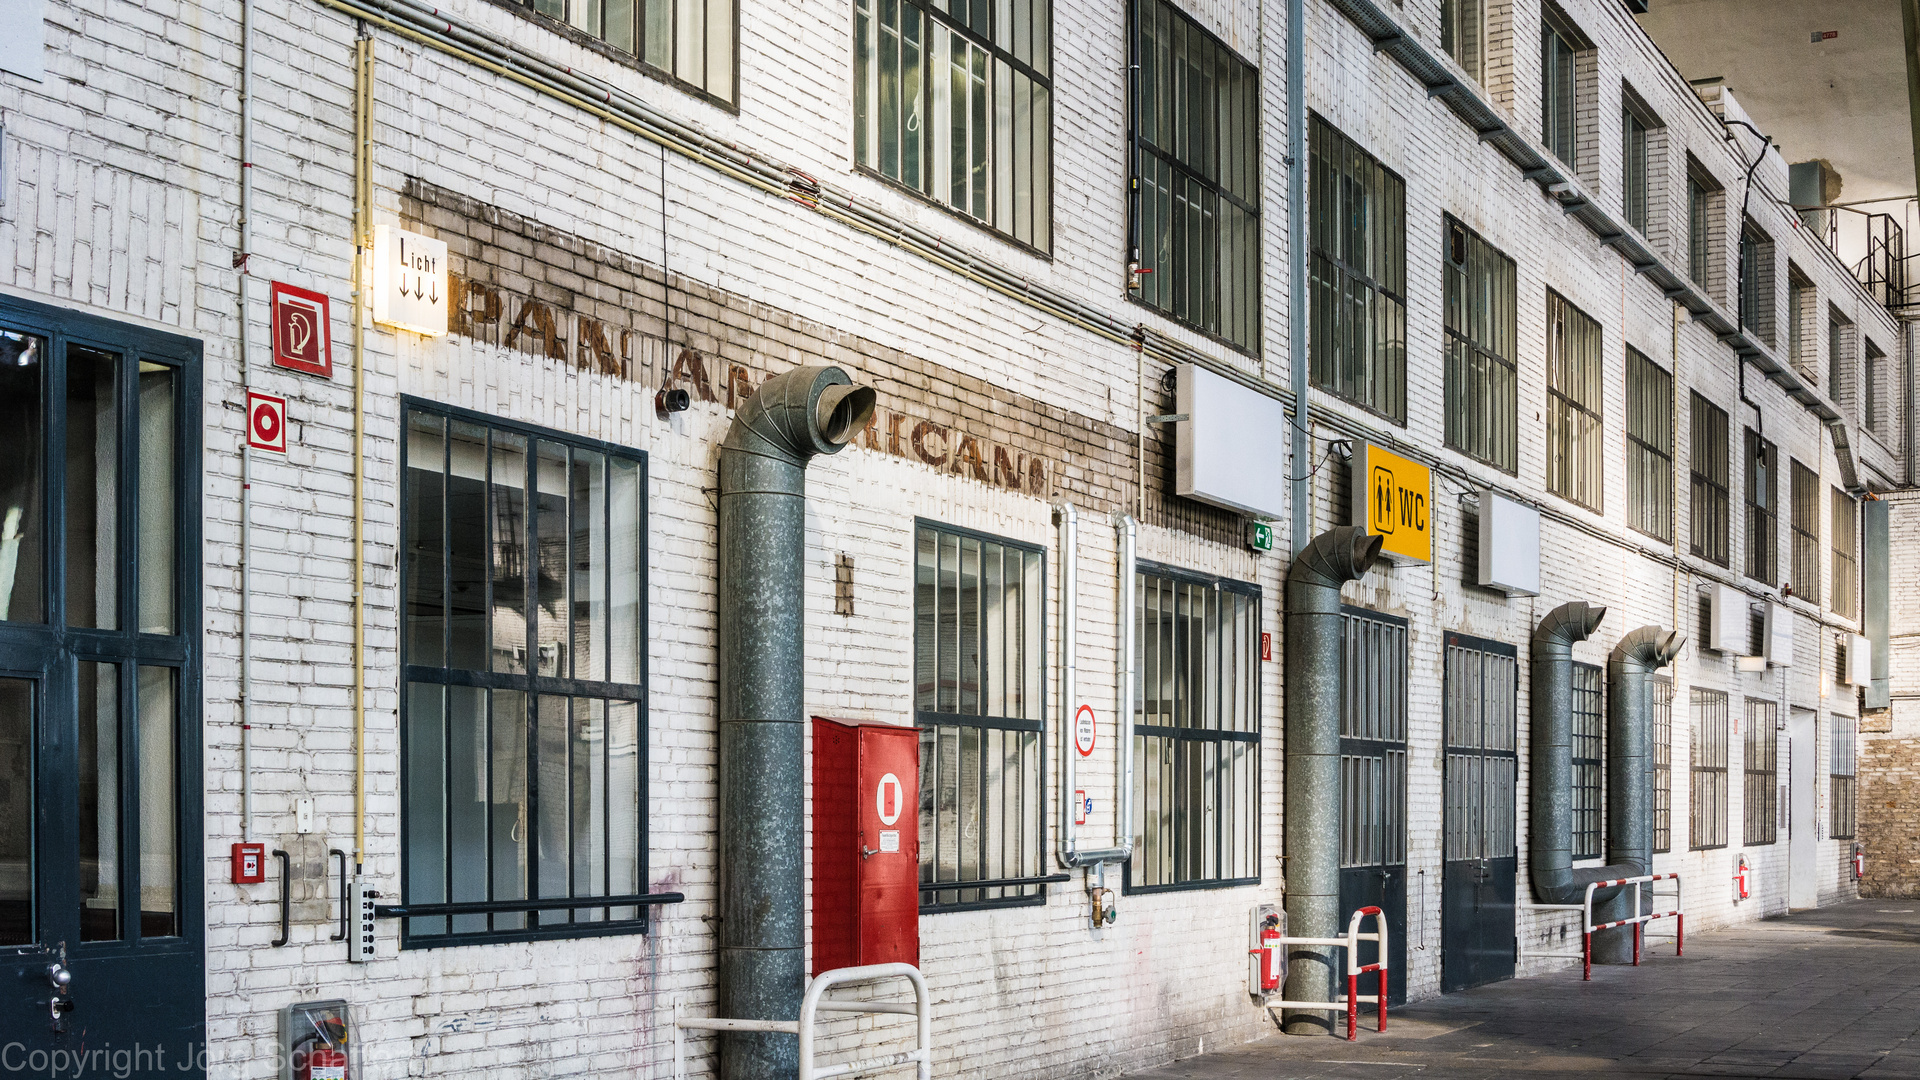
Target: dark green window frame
[[1482, 380], [1708, 506], [1358, 275], [1649, 446], [1763, 509]]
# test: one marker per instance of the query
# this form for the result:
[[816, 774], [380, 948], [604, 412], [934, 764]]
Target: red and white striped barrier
[[1355, 969], [1589, 927]]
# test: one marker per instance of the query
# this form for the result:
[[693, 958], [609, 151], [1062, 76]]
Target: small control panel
[[360, 900], [249, 863]]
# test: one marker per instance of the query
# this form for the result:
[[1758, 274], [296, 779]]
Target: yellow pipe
[[362, 210]]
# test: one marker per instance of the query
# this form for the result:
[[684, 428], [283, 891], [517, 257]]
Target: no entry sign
[[267, 422], [1083, 730]]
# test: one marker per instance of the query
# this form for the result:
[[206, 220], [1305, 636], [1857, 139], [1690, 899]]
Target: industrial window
[[1871, 363], [1760, 805], [1482, 415], [1839, 353], [1801, 310], [1575, 396], [1633, 169], [1196, 731], [1806, 534], [1373, 740], [1649, 446], [1699, 229], [1196, 169], [1763, 509], [1662, 691], [1463, 34], [1756, 282], [1846, 558], [953, 99], [1482, 768], [523, 754], [1840, 769], [690, 40], [1708, 805], [1707, 509], [979, 675], [1359, 276], [1557, 82], [1589, 762]]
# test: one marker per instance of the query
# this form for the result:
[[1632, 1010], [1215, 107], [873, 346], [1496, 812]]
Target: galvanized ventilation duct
[[762, 524], [1630, 778], [1550, 803], [1329, 561]]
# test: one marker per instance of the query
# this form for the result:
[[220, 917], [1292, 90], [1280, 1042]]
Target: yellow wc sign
[[1393, 498]]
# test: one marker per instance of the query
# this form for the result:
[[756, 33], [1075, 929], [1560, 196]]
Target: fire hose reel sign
[[267, 422], [1083, 730], [887, 798]]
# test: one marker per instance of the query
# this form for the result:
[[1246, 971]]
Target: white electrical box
[[1509, 545], [360, 921], [1229, 451], [1779, 635], [1727, 625], [1859, 669]]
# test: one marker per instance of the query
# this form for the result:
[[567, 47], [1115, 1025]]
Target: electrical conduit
[[1067, 521]]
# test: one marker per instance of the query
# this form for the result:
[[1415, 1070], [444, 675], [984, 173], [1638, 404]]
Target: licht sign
[[410, 288], [1393, 499]]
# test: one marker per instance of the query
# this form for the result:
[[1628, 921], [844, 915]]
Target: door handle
[[342, 935], [286, 897]]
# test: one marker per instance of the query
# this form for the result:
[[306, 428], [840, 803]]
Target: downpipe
[[794, 417], [1630, 779], [1067, 521], [1313, 651]]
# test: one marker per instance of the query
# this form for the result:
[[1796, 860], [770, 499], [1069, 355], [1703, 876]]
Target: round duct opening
[[842, 412]]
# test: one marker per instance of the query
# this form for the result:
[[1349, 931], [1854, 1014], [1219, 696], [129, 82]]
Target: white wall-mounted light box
[[1727, 625], [1227, 451], [1779, 634], [1859, 669], [410, 285], [1509, 545]]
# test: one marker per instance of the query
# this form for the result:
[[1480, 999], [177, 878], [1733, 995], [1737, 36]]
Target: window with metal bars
[[1373, 740], [1196, 170], [1196, 731], [1801, 346], [1839, 355], [1707, 805], [979, 656], [1763, 509], [1558, 109], [1589, 762], [1463, 35], [1633, 169], [1482, 768], [952, 99], [1756, 282], [1840, 778], [1707, 510], [1760, 799], [1846, 555], [1482, 416], [1575, 400], [690, 40], [1872, 411], [523, 753], [1662, 692], [1701, 206], [1806, 533], [1649, 446], [1358, 277]]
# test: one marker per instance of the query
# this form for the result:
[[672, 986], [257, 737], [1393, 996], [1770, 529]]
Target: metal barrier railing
[[1588, 927], [816, 1002], [1355, 969]]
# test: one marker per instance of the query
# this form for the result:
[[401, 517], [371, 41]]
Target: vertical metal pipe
[[1302, 494], [362, 225], [1066, 521], [762, 547], [1550, 761], [1629, 779], [240, 258], [1313, 651], [1126, 534]]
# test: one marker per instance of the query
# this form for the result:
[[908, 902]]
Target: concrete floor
[[1833, 992]]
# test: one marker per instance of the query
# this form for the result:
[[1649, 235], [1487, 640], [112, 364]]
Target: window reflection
[[22, 426]]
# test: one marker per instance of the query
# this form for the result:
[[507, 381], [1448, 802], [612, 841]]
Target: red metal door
[[888, 810]]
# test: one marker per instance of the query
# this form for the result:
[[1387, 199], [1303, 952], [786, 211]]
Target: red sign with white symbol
[[302, 330], [1083, 732], [267, 422]]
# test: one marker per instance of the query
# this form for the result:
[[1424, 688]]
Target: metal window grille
[[1707, 507], [1846, 558], [1196, 731], [978, 676], [1840, 773], [523, 754], [1557, 107], [1800, 294], [1760, 805], [1482, 415], [1373, 740], [1750, 242], [691, 40], [1870, 405], [953, 99], [1575, 395], [1763, 509], [1633, 169], [1649, 446], [1806, 533], [1463, 35], [1358, 347], [1699, 221], [1839, 337], [1707, 808], [1481, 768], [1589, 762], [1196, 168], [1662, 763]]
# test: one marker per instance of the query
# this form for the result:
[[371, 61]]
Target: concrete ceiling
[[1843, 98]]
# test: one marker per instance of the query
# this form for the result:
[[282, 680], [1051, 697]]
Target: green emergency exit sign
[[1259, 536]]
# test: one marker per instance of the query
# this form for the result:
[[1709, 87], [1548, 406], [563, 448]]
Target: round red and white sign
[[267, 422], [887, 799], [1083, 732]]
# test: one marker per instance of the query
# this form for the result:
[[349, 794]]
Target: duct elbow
[[1335, 557], [1647, 649], [1566, 624], [799, 414]]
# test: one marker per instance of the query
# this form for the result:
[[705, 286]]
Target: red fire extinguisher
[[1740, 878], [323, 1057], [1268, 954], [1859, 862]]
